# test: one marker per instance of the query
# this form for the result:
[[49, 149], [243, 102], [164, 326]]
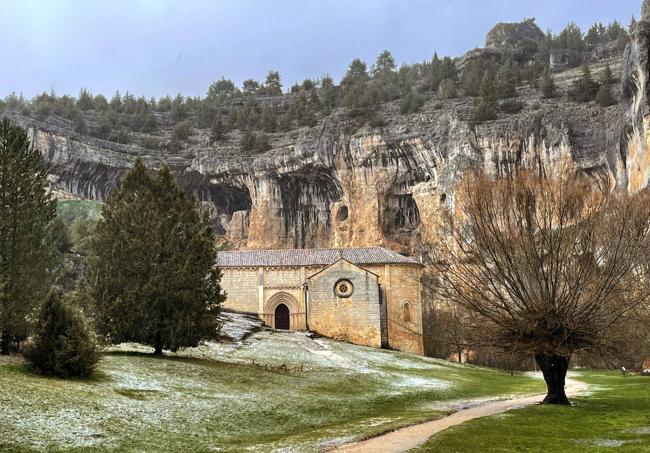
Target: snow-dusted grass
[[213, 398]]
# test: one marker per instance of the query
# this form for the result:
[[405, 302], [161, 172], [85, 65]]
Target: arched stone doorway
[[283, 312], [282, 317]]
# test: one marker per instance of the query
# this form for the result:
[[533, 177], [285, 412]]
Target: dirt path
[[411, 437]]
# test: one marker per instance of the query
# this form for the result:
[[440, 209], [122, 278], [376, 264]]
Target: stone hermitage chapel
[[367, 296]]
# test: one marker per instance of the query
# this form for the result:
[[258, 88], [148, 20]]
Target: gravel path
[[411, 437]]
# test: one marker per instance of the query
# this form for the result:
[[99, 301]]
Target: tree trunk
[[158, 345], [5, 344], [554, 368]]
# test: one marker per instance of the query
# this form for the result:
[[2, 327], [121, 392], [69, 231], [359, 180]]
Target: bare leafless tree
[[549, 264]]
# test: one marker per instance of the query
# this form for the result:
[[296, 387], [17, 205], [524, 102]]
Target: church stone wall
[[401, 285], [242, 289], [281, 278], [356, 318], [405, 288]]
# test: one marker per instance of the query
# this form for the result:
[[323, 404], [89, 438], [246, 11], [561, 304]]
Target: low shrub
[[63, 345]]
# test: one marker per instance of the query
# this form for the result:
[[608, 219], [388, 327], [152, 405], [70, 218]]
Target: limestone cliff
[[513, 35], [635, 136], [340, 185]]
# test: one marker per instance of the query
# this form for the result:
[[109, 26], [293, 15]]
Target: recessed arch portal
[[283, 309]]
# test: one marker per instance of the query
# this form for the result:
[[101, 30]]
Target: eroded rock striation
[[635, 81], [339, 185]]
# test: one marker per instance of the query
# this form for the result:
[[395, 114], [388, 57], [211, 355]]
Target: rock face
[[514, 35], [338, 185], [635, 80], [645, 11]]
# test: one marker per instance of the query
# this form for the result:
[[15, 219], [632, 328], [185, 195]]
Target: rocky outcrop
[[337, 185], [635, 84], [514, 35], [340, 185]]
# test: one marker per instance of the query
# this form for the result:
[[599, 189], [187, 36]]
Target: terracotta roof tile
[[310, 257]]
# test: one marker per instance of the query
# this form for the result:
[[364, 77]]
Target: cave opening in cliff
[[227, 201], [342, 214], [401, 216], [306, 199], [407, 214]]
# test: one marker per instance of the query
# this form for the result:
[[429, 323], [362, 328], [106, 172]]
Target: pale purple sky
[[155, 47]]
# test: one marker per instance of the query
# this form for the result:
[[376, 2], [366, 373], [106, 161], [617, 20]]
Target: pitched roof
[[340, 260], [310, 257]]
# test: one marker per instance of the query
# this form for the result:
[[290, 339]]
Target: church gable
[[344, 303]]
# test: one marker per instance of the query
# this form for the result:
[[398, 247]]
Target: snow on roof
[[310, 257]]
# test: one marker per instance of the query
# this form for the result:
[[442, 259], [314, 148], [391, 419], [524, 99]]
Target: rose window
[[343, 288]]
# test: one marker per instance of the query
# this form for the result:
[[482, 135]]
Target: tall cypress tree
[[27, 258], [152, 270]]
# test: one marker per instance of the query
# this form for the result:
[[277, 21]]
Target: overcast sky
[[155, 47]]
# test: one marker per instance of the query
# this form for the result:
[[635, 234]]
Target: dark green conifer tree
[[152, 270], [506, 83], [217, 130], [385, 75], [605, 97], [178, 111], [485, 107], [358, 97], [116, 102], [273, 84], [412, 102], [222, 90], [63, 345], [607, 77], [100, 102], [27, 258], [585, 88], [268, 120], [547, 85], [250, 87], [328, 94], [85, 101], [79, 123]]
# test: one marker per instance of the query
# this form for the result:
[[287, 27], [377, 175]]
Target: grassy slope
[[68, 210], [213, 398], [614, 416]]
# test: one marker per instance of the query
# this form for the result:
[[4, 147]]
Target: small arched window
[[407, 312]]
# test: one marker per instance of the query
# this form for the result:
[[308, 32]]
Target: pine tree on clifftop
[[547, 85], [485, 107], [27, 257], [605, 97], [152, 269], [585, 88]]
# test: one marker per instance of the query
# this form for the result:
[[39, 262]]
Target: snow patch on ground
[[642, 430], [238, 326], [137, 395]]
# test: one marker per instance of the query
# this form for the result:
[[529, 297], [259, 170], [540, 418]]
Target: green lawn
[[69, 210], [213, 399], [614, 416]]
